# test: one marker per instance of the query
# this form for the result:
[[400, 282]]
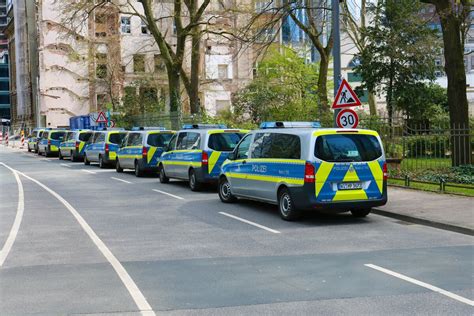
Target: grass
[[434, 187], [412, 164]]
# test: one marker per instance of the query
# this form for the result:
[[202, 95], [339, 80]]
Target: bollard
[[407, 181], [6, 139], [442, 184], [22, 139]]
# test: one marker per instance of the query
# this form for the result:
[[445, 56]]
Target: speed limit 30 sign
[[347, 118]]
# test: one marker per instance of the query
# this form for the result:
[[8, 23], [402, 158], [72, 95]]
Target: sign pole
[[336, 51]]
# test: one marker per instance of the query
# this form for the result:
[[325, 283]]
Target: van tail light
[[49, 142], [106, 148], [309, 173], [385, 172], [144, 152], [205, 158], [77, 145]]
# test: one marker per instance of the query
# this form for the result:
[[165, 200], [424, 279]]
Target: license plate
[[350, 186]]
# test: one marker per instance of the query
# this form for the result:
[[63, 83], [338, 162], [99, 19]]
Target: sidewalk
[[444, 211]]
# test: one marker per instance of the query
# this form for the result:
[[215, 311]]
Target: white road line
[[105, 170], [250, 223], [121, 180], [88, 171], [45, 159], [169, 194], [132, 288], [65, 165], [422, 284], [16, 223]]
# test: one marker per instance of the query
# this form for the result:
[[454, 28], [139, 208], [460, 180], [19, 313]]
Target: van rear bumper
[[305, 199]]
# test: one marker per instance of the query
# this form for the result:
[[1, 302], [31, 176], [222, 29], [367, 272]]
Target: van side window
[[244, 146], [261, 146], [45, 135], [134, 139], [172, 143], [100, 138], [286, 146], [85, 136], [188, 140]]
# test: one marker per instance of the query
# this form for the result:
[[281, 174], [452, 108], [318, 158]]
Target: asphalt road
[[92, 241]]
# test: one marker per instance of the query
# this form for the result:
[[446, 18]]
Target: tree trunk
[[175, 96], [457, 95], [322, 83], [193, 90], [372, 104]]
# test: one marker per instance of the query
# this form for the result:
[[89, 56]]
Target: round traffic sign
[[347, 118]]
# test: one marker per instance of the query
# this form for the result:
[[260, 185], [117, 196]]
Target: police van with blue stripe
[[300, 166], [197, 152], [141, 149], [102, 147], [74, 145]]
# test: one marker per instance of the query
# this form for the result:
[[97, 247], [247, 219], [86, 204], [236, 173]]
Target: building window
[[175, 30], [222, 71], [101, 66], [159, 63], [145, 28], [125, 25], [138, 63]]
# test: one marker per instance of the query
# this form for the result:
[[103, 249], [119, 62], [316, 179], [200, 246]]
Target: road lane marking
[[169, 194], [422, 284], [16, 223], [45, 159], [250, 223], [121, 180], [135, 293], [105, 170], [65, 165], [88, 171]]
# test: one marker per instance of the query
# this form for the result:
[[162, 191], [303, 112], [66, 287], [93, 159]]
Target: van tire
[[163, 177], [194, 185], [225, 194], [60, 156], [86, 161], [286, 206], [29, 149], [138, 171], [101, 162], [117, 166], [360, 213]]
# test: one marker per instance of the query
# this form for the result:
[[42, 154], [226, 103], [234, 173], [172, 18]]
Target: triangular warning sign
[[345, 96], [101, 118]]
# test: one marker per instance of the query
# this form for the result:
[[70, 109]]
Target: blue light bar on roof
[[148, 128], [265, 125], [203, 126]]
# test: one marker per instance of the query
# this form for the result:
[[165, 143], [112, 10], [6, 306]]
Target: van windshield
[[347, 148], [159, 140], [224, 141]]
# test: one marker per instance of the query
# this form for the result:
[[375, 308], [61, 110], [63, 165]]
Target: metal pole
[[336, 50]]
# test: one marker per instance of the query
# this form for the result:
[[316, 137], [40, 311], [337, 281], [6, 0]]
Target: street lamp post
[[336, 51]]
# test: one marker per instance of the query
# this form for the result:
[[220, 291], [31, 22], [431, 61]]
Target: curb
[[425, 222]]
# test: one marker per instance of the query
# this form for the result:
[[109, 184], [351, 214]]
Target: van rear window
[[224, 141], [347, 148], [159, 140], [57, 135]]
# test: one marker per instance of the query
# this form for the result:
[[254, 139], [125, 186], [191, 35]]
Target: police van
[[299, 166], [74, 145], [49, 142], [141, 149], [197, 152], [34, 138], [102, 147]]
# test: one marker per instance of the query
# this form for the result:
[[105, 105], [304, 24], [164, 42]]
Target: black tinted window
[[117, 138], [285, 146], [224, 141], [159, 140], [347, 148], [57, 135], [85, 136], [261, 146]]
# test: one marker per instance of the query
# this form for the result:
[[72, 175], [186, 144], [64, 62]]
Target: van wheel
[[86, 161], [225, 194], [138, 171], [163, 177], [359, 213], [117, 166], [193, 182], [60, 156], [101, 162], [29, 149], [286, 206], [46, 153]]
